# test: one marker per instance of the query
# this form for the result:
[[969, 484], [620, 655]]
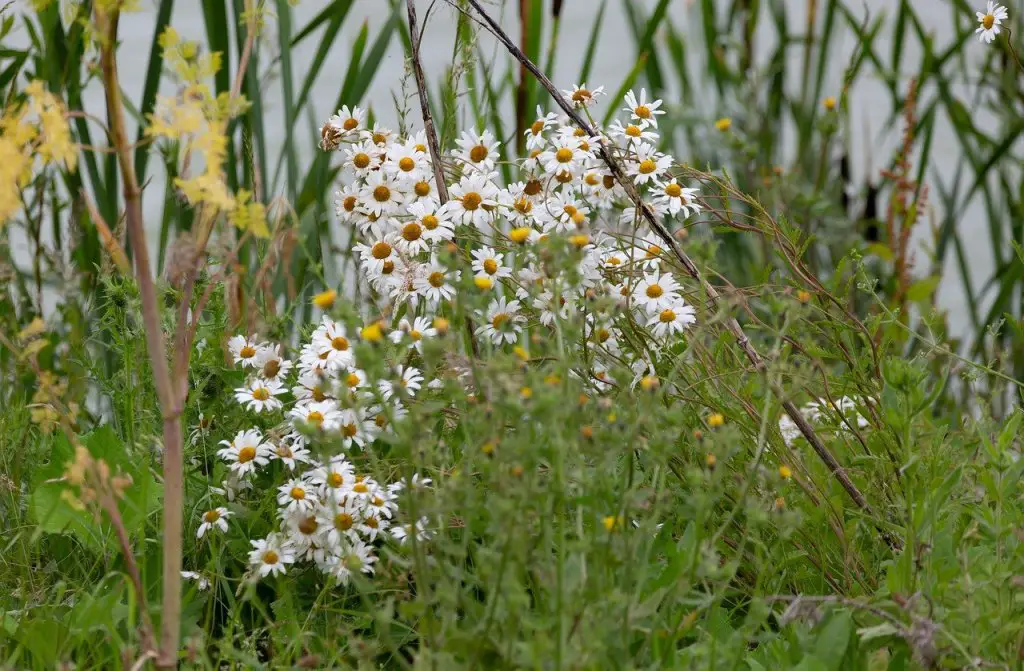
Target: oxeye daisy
[[356, 558], [378, 256], [408, 381], [645, 113], [989, 22], [406, 162], [261, 395], [581, 96], [403, 532], [297, 495], [413, 332], [313, 387], [473, 200], [349, 119], [291, 453], [564, 156], [379, 135], [339, 519], [270, 365], [334, 478], [477, 151], [503, 323], [677, 198], [244, 351], [214, 518], [647, 163], [346, 202], [202, 582], [655, 292], [435, 284], [271, 555], [381, 195], [563, 213], [434, 223], [306, 535], [355, 429], [323, 416], [362, 158], [631, 133], [372, 525], [331, 338], [672, 319], [488, 263], [535, 133], [246, 452]]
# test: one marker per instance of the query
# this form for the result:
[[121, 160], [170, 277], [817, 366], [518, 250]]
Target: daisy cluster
[[329, 515], [416, 249], [843, 410]]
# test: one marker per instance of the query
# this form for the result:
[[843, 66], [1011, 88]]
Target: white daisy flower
[[306, 535], [647, 164], [313, 386], [246, 452], [473, 200], [333, 479], [349, 119], [414, 331], [215, 518], [270, 364], [436, 283], [503, 322], [630, 133], [244, 351], [261, 395], [535, 133], [271, 555], [232, 485], [297, 495], [331, 338], [362, 158], [202, 582], [677, 198], [672, 320], [403, 532], [291, 453], [372, 525], [563, 156], [406, 162], [645, 113], [488, 263], [339, 519], [990, 21], [581, 96], [324, 415], [408, 380], [656, 291], [346, 202], [477, 151], [381, 195]]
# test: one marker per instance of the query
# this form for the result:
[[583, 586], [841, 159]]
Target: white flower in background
[[503, 322], [216, 518], [270, 365], [433, 220], [403, 532], [472, 200], [246, 452], [672, 320], [676, 198], [647, 164], [244, 351], [477, 151], [581, 96], [362, 158], [488, 263], [989, 22], [291, 453], [381, 196], [202, 582], [261, 395], [645, 113], [407, 381], [331, 344], [271, 555], [414, 332], [656, 291], [324, 415], [297, 495]]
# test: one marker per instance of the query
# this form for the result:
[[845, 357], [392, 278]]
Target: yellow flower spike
[[785, 472], [372, 333], [723, 124], [829, 103], [519, 235], [483, 283], [716, 420], [325, 299]]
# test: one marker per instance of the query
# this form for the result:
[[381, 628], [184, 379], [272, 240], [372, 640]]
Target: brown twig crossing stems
[[687, 263]]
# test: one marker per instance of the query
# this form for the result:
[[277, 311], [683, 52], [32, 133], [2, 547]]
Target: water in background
[[870, 103]]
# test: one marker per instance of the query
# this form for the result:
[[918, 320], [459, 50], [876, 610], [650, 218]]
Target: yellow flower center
[[478, 153], [340, 343], [270, 557], [429, 222], [361, 160], [261, 393], [371, 522], [608, 181], [613, 261], [350, 430], [490, 266], [246, 454], [380, 138], [483, 283], [352, 380], [349, 203], [211, 516], [272, 368], [537, 126], [563, 155], [519, 235], [673, 190], [422, 189], [420, 147], [381, 251], [297, 493], [335, 480], [412, 231], [603, 335], [360, 488], [382, 194], [315, 417], [343, 521], [563, 177], [633, 131], [988, 21], [654, 291], [647, 166], [436, 279], [351, 123], [499, 319], [471, 200], [667, 316], [581, 95], [308, 526], [247, 352], [642, 111], [570, 210], [415, 335], [653, 251], [592, 179], [381, 421], [405, 164], [523, 206]]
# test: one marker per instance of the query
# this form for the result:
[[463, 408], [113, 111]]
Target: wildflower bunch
[[558, 243]]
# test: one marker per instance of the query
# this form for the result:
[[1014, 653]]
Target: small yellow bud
[[612, 522], [587, 432], [579, 240], [803, 296], [723, 124], [521, 353], [488, 447], [716, 420], [650, 383], [785, 472], [710, 460], [552, 379], [372, 332], [526, 393], [442, 325], [517, 471], [483, 283], [519, 235], [829, 103], [325, 300]]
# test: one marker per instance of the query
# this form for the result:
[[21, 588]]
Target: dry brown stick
[[688, 265], [172, 457]]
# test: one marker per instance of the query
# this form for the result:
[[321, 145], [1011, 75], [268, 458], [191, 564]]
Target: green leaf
[[922, 290]]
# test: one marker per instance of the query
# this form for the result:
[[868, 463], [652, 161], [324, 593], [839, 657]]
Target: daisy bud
[[552, 380], [579, 240], [488, 447], [785, 472], [829, 103], [587, 432], [519, 235], [372, 333], [803, 296], [716, 420], [483, 283], [612, 522], [723, 124], [710, 460], [650, 383], [442, 325], [526, 393], [325, 300]]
